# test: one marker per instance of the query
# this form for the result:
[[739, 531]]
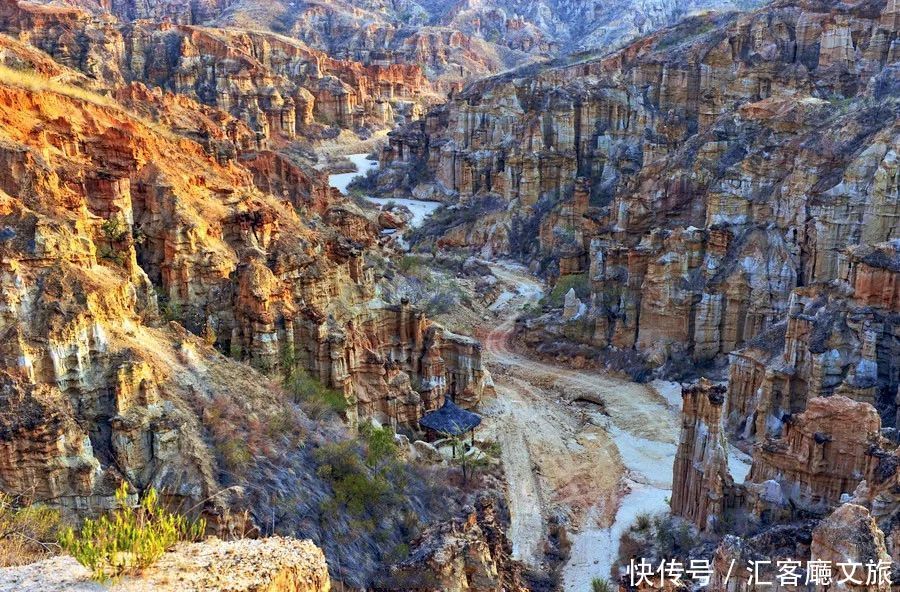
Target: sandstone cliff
[[824, 453], [819, 491], [697, 176], [278, 86], [701, 464], [454, 41], [149, 250]]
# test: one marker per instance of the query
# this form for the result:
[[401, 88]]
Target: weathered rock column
[[701, 477]]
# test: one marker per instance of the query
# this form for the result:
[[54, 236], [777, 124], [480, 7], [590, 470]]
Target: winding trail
[[592, 467], [596, 466]]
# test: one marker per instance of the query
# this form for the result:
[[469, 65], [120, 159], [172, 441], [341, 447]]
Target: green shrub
[[26, 532], [169, 309], [356, 488], [280, 424], [468, 460], [314, 397], [408, 263], [600, 585], [113, 230], [113, 234], [236, 454], [642, 522], [380, 443], [131, 539], [580, 282]]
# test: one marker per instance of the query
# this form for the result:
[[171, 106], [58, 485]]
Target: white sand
[[420, 209]]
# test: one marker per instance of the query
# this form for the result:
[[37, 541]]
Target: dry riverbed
[[598, 463], [589, 448]]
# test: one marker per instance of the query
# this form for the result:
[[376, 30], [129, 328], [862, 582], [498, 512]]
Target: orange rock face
[[276, 85], [701, 464], [824, 452], [122, 212]]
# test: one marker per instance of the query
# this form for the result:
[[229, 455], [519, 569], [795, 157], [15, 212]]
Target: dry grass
[[34, 82], [27, 532]]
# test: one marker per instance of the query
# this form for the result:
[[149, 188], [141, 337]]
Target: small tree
[[467, 458], [317, 400], [380, 443], [130, 539]]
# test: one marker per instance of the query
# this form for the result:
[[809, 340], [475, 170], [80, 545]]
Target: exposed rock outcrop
[[824, 453], [273, 564], [471, 554], [849, 536], [454, 41], [133, 256], [699, 175], [830, 344], [276, 85], [701, 477]]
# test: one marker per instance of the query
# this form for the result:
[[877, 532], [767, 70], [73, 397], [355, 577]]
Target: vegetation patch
[[366, 476], [317, 400], [445, 218], [556, 297], [28, 532], [430, 291], [657, 537], [131, 539]]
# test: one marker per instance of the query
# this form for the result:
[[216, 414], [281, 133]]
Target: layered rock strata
[[831, 472], [697, 176], [818, 462], [831, 344], [825, 452], [276, 85], [453, 41], [701, 463], [112, 228]]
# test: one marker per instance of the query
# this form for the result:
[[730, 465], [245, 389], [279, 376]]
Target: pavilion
[[451, 420]]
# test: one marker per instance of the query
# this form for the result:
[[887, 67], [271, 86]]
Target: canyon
[[663, 269], [452, 41], [168, 276], [697, 186], [719, 199]]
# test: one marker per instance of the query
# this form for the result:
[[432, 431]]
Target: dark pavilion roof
[[450, 419]]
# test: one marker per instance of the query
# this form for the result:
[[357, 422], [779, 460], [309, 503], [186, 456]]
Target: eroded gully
[[596, 467], [599, 466]]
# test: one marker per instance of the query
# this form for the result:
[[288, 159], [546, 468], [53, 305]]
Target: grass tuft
[[129, 540]]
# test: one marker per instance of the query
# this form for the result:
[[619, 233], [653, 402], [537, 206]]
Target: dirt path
[[598, 470], [526, 531]]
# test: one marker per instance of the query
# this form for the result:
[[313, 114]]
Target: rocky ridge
[[722, 196], [471, 553], [150, 250], [454, 41], [693, 179], [278, 86]]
